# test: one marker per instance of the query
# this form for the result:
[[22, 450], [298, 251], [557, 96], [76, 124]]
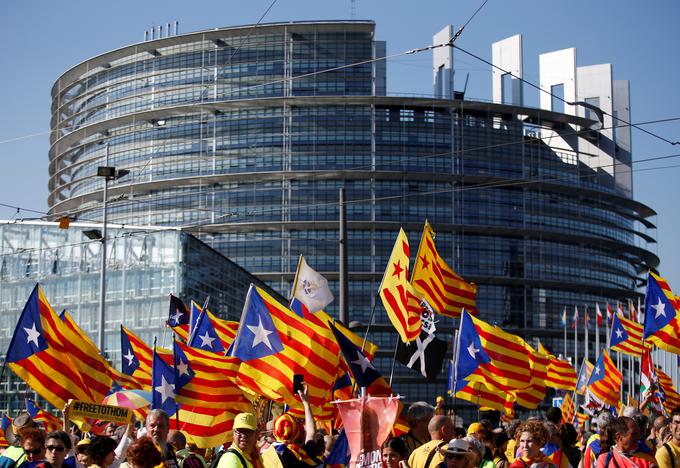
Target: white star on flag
[[32, 335], [597, 370], [166, 389], [472, 350], [660, 309], [175, 318], [206, 340], [130, 357], [183, 368], [619, 333], [363, 362], [261, 334]]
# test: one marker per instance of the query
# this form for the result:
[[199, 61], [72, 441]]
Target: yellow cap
[[245, 421], [440, 399], [474, 428]]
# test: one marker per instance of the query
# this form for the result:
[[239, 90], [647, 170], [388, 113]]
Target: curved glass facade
[[245, 135]]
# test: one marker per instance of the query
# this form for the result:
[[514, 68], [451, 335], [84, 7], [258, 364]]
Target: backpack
[[191, 461]]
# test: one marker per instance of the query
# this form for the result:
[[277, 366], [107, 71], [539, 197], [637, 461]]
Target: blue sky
[[40, 40]]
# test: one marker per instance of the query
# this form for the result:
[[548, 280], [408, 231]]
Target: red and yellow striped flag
[[568, 409], [509, 363], [671, 398], [444, 289], [561, 374], [486, 396], [399, 298], [534, 394], [605, 381], [294, 345], [662, 327], [36, 355], [626, 336]]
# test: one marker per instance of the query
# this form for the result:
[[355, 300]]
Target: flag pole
[[370, 321], [564, 342], [598, 314], [575, 326], [394, 360], [586, 321]]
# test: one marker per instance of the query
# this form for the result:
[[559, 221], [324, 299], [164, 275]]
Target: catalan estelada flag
[[36, 356], [444, 289], [91, 350], [568, 409], [626, 336], [398, 296], [490, 355], [137, 357], [584, 374], [661, 321], [534, 394], [605, 381], [49, 421], [560, 374], [670, 399], [274, 343]]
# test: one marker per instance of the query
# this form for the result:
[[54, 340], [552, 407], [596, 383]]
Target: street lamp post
[[108, 173]]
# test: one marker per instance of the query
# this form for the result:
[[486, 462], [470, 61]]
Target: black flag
[[425, 354]]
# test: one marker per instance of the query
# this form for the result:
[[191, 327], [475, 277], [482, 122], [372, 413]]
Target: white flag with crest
[[310, 288]]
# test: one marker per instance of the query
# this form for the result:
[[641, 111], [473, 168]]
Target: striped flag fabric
[[274, 343], [626, 336], [4, 424], [90, 349], [137, 357], [37, 358], [669, 395], [560, 374], [443, 289], [179, 317], [49, 421], [225, 329], [605, 381], [481, 394], [649, 382], [580, 420], [205, 336], [531, 396], [163, 385], [399, 298], [207, 379], [661, 320], [584, 374], [490, 355], [568, 409]]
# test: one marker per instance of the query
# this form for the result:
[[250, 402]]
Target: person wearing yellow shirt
[[668, 455]]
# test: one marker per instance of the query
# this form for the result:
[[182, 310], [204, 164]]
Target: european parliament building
[[243, 136]]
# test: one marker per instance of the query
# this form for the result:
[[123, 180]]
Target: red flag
[[610, 312], [598, 313]]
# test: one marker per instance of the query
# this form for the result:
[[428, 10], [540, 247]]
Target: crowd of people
[[631, 440]]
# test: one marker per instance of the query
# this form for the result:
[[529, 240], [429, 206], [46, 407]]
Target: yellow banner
[[83, 409]]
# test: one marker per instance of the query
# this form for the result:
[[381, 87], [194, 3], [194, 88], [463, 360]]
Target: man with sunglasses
[[57, 446], [668, 455]]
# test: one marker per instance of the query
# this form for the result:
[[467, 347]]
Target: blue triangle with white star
[[205, 337], [183, 371], [162, 386], [470, 351], [658, 308], [28, 336], [618, 333], [257, 336], [129, 358], [361, 368]]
